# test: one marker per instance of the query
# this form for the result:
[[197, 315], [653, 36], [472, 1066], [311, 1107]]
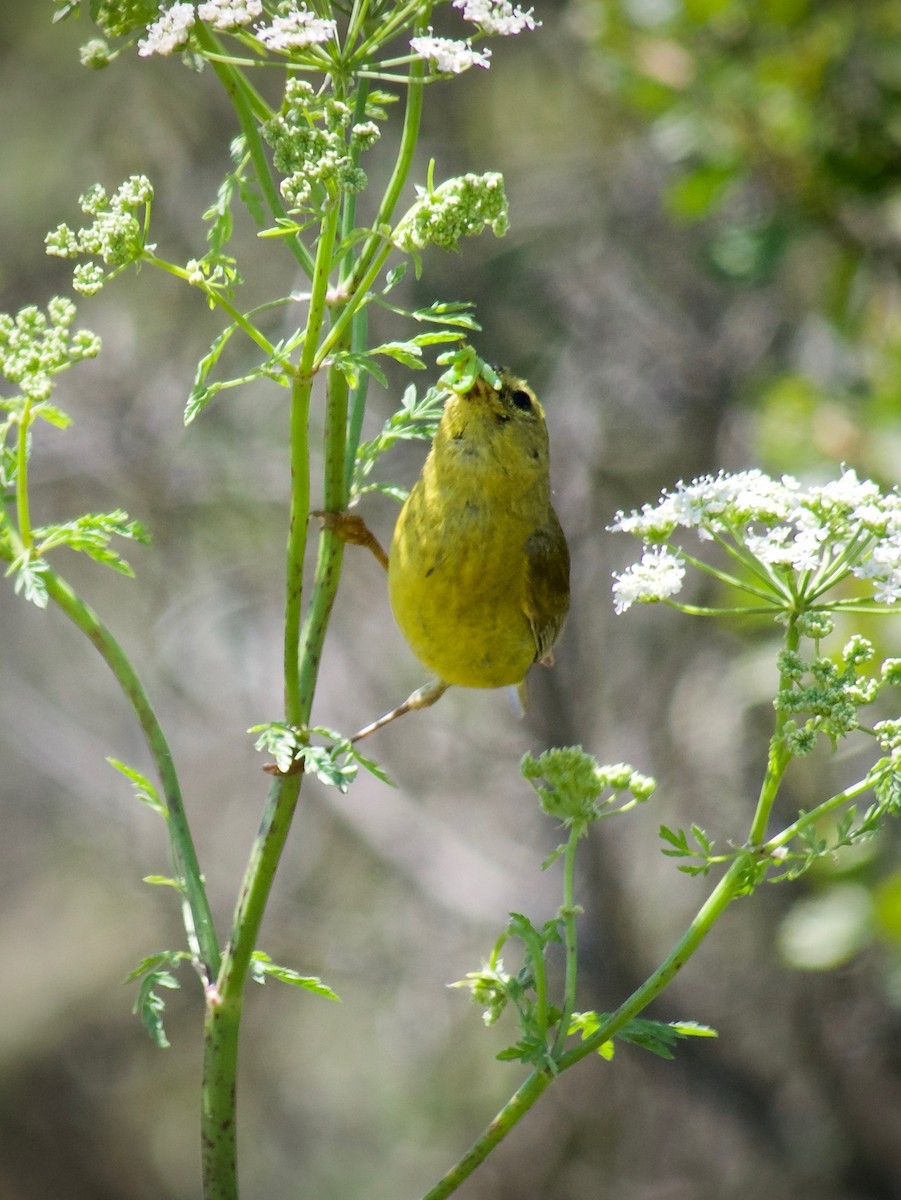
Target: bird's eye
[[522, 400]]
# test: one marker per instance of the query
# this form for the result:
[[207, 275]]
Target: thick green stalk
[[179, 831], [250, 112], [731, 885], [300, 467], [23, 509], [734, 883], [568, 912], [512, 1112], [225, 998], [298, 521], [377, 249], [778, 758], [331, 547]]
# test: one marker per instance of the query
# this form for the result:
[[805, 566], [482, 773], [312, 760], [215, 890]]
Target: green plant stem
[[731, 885], [359, 333], [359, 326], [248, 107], [215, 296], [331, 548], [225, 998], [295, 710], [512, 1112], [778, 757], [816, 814], [299, 516], [568, 912], [177, 822], [23, 508], [403, 162]]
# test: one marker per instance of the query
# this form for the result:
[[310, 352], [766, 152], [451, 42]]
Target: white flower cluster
[[115, 236], [228, 15], [657, 576], [33, 347], [295, 29], [311, 146], [449, 57], [169, 31], [497, 16], [712, 503], [819, 534]]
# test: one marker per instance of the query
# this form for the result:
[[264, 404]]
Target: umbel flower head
[[790, 545], [457, 208]]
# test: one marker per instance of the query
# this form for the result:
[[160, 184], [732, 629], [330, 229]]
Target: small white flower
[[658, 576], [844, 494], [169, 31], [883, 568], [448, 56], [227, 15], [296, 30], [497, 16], [820, 534], [784, 546]]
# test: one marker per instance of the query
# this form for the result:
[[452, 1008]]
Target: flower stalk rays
[[789, 546]]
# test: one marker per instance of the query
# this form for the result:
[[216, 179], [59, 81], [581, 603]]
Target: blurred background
[[702, 271]]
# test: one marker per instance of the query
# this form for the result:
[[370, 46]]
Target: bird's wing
[[546, 601]]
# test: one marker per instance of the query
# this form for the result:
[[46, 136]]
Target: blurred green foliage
[[780, 125]]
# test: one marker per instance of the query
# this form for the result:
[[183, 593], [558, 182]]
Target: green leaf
[[702, 839], [29, 579], [656, 1036], [335, 765], [149, 1005], [164, 958], [143, 788], [322, 762], [407, 353], [90, 534], [343, 745], [52, 415], [280, 739], [458, 313], [262, 965], [677, 839], [532, 1050], [351, 364], [200, 395], [66, 9], [163, 881], [693, 1029], [395, 491]]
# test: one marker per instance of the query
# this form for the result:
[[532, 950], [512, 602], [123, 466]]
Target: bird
[[478, 568]]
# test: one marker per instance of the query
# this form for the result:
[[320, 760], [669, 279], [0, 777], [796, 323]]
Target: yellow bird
[[478, 571]]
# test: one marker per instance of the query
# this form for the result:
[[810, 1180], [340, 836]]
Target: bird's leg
[[353, 529], [421, 698]]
